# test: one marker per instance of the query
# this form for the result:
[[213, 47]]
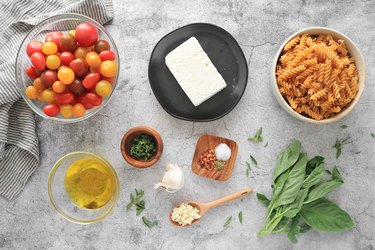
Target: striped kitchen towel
[[19, 149]]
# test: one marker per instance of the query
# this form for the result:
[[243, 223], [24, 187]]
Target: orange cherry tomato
[[108, 68], [31, 92], [79, 110], [48, 96], [49, 48], [93, 59], [103, 88], [66, 75], [66, 110], [53, 62], [58, 87], [38, 84]]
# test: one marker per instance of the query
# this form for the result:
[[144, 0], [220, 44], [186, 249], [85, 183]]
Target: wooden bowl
[[127, 140], [206, 142]]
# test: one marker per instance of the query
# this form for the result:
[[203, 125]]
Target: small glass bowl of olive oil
[[83, 187]]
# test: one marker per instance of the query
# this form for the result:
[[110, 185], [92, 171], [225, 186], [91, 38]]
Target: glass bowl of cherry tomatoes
[[67, 68]]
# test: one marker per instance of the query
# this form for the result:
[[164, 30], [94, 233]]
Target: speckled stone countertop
[[29, 221]]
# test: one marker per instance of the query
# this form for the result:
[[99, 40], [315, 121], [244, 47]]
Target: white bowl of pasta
[[318, 75]]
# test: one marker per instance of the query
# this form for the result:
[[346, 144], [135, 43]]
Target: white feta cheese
[[194, 71]]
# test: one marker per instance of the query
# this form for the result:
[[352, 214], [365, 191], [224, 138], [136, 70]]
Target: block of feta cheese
[[194, 71]]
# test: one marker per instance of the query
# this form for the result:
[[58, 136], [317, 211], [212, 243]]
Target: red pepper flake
[[208, 159]]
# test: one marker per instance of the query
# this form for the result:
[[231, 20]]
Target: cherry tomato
[[53, 62], [31, 92], [34, 46], [64, 98], [103, 88], [68, 42], [79, 110], [72, 32], [111, 80], [54, 36], [66, 75], [32, 72], [48, 96], [48, 77], [90, 80], [93, 59], [94, 99], [66, 57], [49, 48], [39, 84], [51, 110], [108, 68], [66, 110], [79, 66], [38, 60], [40, 97], [76, 87], [58, 87], [86, 34], [107, 55], [80, 52], [86, 103], [102, 45]]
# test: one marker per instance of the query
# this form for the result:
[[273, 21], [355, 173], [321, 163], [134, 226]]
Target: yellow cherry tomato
[[79, 110], [108, 68], [65, 75], [103, 88], [40, 97], [53, 62], [58, 87], [72, 32], [93, 59], [49, 48], [66, 110], [31, 92], [48, 95], [39, 84]]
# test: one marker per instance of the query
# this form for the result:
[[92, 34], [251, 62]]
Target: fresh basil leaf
[[294, 229], [287, 158], [268, 228], [313, 163], [336, 175], [314, 177], [304, 228], [227, 222], [292, 209], [263, 199], [253, 160], [326, 216], [344, 126], [149, 223], [277, 190], [257, 137], [240, 217]]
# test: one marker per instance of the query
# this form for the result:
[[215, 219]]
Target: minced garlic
[[185, 214]]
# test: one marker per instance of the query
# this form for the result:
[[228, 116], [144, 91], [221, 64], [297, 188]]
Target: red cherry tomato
[[107, 55], [79, 66], [90, 80], [94, 99], [32, 72], [68, 42], [111, 80], [86, 34], [64, 98], [34, 46], [51, 110], [38, 60], [83, 99], [48, 77], [66, 57], [54, 36]]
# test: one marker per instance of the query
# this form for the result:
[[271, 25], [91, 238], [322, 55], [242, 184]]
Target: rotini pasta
[[316, 75]]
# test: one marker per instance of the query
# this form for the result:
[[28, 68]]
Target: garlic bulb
[[173, 179]]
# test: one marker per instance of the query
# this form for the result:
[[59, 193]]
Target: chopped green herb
[[338, 146], [227, 223], [373, 135], [344, 126], [265, 145], [248, 169], [240, 216], [140, 204], [143, 147], [253, 160], [257, 137], [219, 165], [149, 223]]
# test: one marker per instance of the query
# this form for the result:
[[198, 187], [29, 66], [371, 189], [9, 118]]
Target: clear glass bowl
[[63, 22], [60, 199]]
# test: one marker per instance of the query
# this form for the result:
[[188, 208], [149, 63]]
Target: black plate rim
[[199, 120]]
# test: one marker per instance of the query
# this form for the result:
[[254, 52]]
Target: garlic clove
[[173, 179]]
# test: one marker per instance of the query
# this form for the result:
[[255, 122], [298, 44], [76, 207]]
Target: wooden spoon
[[204, 207]]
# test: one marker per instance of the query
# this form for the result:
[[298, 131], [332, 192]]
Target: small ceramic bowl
[[353, 52], [126, 143]]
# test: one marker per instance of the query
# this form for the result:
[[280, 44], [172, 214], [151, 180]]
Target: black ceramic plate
[[225, 54]]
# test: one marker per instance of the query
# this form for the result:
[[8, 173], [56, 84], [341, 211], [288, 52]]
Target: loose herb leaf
[[344, 126], [253, 160], [240, 216], [265, 145], [228, 221], [149, 223], [373, 135], [248, 169], [136, 201], [257, 137], [338, 146]]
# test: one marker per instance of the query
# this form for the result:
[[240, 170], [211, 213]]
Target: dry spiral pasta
[[316, 75]]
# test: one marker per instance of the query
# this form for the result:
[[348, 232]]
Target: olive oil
[[90, 183]]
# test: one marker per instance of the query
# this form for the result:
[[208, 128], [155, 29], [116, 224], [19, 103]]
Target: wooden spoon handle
[[230, 197]]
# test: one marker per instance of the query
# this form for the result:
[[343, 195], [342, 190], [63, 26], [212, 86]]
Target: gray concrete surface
[[29, 221]]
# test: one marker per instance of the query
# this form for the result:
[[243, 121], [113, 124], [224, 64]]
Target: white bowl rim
[[349, 107]]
